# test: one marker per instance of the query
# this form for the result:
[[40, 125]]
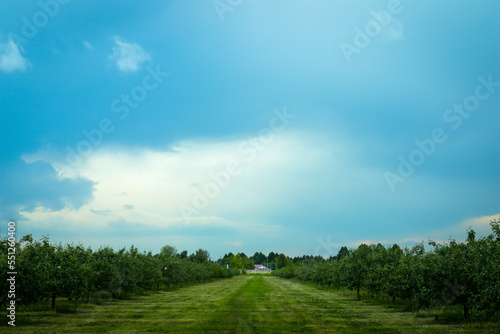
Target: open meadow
[[242, 304]]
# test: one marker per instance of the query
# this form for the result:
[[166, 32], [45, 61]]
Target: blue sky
[[288, 126]]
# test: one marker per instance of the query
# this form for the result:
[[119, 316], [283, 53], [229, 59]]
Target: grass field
[[242, 304]]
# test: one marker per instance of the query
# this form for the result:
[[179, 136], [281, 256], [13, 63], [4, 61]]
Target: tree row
[[46, 271], [455, 273]]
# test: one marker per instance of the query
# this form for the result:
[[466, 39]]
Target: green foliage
[[282, 261], [249, 264], [104, 264], [355, 268], [35, 269], [303, 271], [169, 251], [325, 273], [485, 266], [454, 274], [47, 271], [272, 257], [201, 256], [286, 272], [184, 254], [151, 271], [259, 258], [237, 262], [343, 252]]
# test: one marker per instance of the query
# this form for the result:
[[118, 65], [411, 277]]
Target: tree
[[355, 268], [237, 262], [466, 274], [173, 270], [324, 273], [226, 260], [127, 264], [456, 274], [377, 269], [249, 264], [104, 264], [69, 272], [184, 254], [305, 271], [485, 260], [259, 258], [201, 256], [168, 251], [407, 278], [151, 271], [282, 261], [343, 252], [392, 262], [34, 269], [271, 257]]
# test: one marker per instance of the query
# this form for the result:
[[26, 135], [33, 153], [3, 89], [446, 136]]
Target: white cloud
[[11, 58], [88, 45], [233, 243], [458, 231], [480, 225], [128, 56], [147, 187]]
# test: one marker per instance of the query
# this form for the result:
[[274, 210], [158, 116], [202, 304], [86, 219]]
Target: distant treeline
[[455, 273], [46, 271], [272, 261]]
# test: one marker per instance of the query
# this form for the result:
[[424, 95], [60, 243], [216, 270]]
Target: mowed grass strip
[[326, 311], [242, 304], [188, 309]]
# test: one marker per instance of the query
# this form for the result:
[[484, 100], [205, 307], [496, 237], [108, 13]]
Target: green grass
[[242, 304]]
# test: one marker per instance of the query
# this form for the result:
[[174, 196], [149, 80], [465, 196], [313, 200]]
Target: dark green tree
[[343, 252]]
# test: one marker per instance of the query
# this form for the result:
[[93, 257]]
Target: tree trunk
[[466, 311], [393, 299], [358, 291], [53, 301]]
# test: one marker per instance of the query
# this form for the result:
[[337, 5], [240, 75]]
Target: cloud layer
[[144, 190]]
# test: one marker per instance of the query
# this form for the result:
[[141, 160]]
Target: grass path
[[243, 304]]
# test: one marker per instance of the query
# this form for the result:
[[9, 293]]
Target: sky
[[249, 126]]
